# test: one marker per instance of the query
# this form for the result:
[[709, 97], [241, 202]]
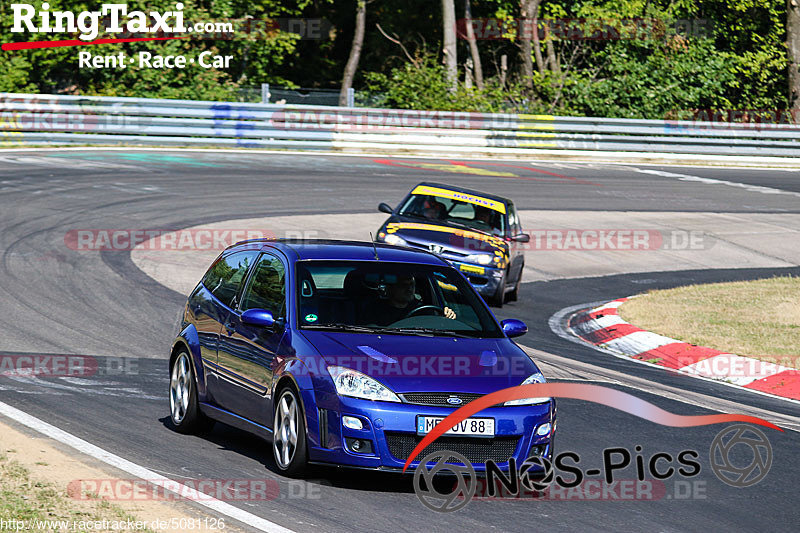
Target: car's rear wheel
[[183, 404], [289, 437]]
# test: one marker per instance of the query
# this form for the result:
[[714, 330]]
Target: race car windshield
[[439, 209], [393, 298]]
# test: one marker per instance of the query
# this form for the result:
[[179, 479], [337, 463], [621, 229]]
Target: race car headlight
[[481, 259], [534, 378], [350, 382], [395, 240]]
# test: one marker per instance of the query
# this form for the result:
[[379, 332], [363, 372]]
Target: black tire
[[513, 295], [183, 405], [499, 296], [290, 458]]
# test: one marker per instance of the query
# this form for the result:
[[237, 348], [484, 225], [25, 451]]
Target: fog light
[[537, 451], [544, 430], [359, 445], [352, 422]]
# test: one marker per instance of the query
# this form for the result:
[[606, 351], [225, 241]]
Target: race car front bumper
[[485, 279]]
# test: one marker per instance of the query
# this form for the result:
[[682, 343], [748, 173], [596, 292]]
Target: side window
[[514, 224], [267, 287], [225, 277]]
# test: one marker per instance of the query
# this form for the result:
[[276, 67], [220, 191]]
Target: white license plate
[[480, 427]]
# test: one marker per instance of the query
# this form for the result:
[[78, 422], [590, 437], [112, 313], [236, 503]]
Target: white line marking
[[638, 342], [607, 321], [140, 472], [711, 181]]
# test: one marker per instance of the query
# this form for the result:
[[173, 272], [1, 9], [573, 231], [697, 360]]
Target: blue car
[[348, 353], [479, 233]]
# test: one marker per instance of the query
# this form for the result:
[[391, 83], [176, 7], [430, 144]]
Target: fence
[[28, 119]]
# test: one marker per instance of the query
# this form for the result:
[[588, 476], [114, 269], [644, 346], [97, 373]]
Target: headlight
[[535, 378], [481, 259], [395, 240], [350, 382]]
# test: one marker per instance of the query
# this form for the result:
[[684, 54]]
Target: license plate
[[477, 427]]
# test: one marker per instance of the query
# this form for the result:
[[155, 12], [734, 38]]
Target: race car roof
[[464, 190]]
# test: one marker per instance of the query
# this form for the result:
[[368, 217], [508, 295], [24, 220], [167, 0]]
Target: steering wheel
[[436, 310]]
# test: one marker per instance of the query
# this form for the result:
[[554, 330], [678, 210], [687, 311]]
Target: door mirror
[[521, 237], [513, 327], [260, 318], [385, 208]]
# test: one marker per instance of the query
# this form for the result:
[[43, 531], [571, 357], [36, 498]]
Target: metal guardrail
[[30, 119]]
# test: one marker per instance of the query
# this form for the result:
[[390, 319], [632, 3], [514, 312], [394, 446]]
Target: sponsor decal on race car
[[472, 269], [464, 197], [494, 241]]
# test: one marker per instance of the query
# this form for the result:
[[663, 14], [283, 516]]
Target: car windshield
[[453, 211], [386, 297]]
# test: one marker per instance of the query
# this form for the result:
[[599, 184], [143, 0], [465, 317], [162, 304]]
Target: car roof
[[464, 190], [338, 250]]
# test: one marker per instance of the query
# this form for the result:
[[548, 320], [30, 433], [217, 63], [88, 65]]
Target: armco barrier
[[31, 119]]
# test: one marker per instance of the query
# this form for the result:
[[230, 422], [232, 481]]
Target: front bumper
[[390, 429], [484, 279]]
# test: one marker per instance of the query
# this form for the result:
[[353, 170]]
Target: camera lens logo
[[730, 444], [458, 495], [536, 473]]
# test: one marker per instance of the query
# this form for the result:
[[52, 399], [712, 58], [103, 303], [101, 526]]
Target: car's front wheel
[[289, 437], [183, 408], [499, 296]]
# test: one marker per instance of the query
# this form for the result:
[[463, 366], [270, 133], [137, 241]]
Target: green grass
[[759, 319], [23, 498]]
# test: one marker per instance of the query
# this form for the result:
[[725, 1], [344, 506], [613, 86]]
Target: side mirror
[[383, 207], [260, 318], [513, 327], [521, 237]]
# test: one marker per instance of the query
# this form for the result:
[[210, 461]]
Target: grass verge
[[24, 499], [759, 319]]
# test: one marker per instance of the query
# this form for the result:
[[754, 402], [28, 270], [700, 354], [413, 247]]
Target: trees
[[793, 47], [473, 44], [355, 51], [449, 43]]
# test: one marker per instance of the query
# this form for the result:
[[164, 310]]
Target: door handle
[[229, 329]]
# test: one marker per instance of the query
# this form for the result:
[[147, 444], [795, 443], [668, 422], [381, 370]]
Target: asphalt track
[[60, 301]]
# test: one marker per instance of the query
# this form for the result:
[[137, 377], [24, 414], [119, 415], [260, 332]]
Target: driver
[[399, 303]]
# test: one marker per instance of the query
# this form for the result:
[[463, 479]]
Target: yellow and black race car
[[479, 233]]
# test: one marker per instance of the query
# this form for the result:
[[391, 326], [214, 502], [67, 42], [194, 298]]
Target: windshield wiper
[[426, 332], [344, 327]]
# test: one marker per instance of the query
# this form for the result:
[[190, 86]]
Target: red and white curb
[[601, 327]]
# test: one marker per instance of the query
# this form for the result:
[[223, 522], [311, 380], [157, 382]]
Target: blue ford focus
[[348, 353]]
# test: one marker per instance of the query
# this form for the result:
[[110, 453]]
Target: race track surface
[[57, 300]]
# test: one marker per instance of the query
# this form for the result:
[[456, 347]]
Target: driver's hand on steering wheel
[[449, 313]]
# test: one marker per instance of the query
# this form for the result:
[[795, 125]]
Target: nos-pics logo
[[445, 481]]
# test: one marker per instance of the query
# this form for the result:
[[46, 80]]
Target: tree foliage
[[688, 55]]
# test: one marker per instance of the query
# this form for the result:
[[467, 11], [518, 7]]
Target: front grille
[[439, 398], [475, 449]]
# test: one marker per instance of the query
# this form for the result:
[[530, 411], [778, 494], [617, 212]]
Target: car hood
[[454, 239], [425, 364]]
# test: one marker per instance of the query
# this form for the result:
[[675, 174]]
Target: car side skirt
[[226, 417]]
